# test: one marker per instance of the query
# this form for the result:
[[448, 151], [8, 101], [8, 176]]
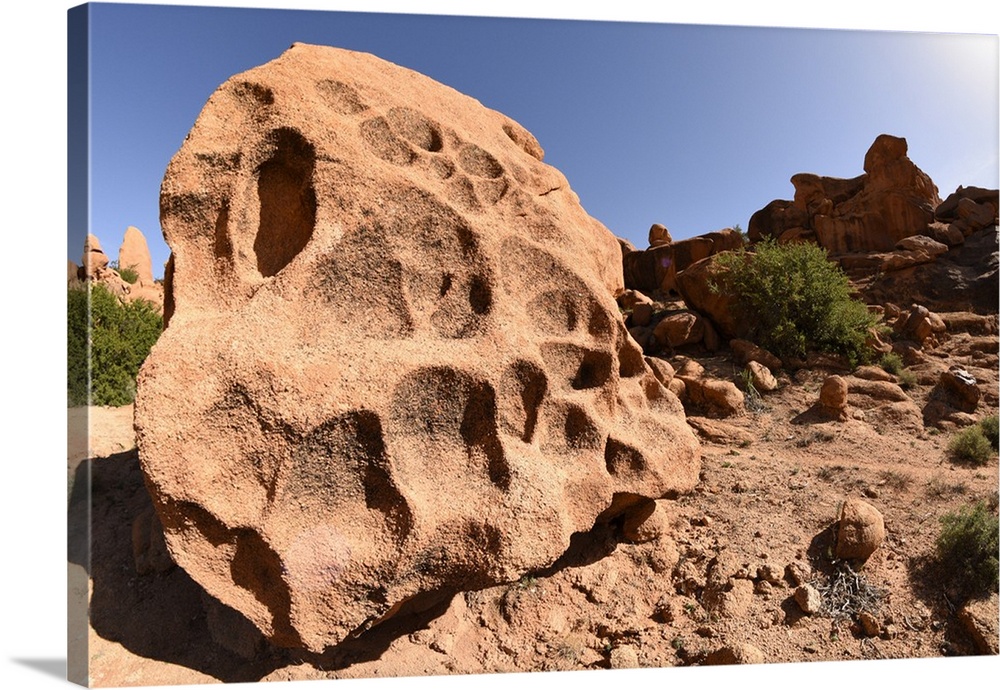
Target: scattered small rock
[[798, 572], [869, 624], [809, 599], [624, 656], [735, 654], [771, 573]]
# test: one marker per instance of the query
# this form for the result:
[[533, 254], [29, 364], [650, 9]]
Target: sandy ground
[[772, 482]]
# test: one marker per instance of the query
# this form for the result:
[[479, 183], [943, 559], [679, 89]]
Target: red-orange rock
[[395, 367], [94, 259], [833, 397], [134, 254], [860, 530], [679, 329], [894, 199], [657, 268], [659, 235]]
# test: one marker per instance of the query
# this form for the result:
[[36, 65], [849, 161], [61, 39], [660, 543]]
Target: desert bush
[[796, 301], [107, 343], [891, 362], [127, 273], [967, 547], [970, 445], [991, 430], [907, 379]]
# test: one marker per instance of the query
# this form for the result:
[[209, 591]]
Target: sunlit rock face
[[892, 200], [394, 365]]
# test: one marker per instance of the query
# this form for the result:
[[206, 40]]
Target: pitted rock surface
[[394, 366]]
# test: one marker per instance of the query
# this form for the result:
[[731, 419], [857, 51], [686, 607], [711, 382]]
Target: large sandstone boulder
[[395, 368], [697, 285], [659, 235]]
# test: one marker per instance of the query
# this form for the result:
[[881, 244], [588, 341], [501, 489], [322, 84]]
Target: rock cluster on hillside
[[927, 267], [133, 255], [395, 368], [889, 229]]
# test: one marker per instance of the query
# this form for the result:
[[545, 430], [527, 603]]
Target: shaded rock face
[[394, 368], [894, 199], [962, 279], [658, 267]]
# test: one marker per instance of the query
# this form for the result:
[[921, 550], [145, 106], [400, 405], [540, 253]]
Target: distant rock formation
[[887, 221], [395, 368], [893, 200], [656, 268], [94, 259], [133, 255], [887, 228]]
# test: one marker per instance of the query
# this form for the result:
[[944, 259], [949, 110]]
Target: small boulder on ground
[[833, 398], [745, 352], [679, 329], [646, 523], [860, 530], [809, 599], [761, 377], [979, 619], [959, 389]]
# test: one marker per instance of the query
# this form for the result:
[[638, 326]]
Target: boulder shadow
[[167, 616], [159, 615]]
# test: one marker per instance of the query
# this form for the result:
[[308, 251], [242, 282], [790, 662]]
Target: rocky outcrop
[[133, 255], [395, 368], [657, 268], [893, 200], [892, 234], [963, 278]]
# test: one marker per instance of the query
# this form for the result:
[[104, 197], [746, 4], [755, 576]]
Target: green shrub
[[113, 338], [971, 445], [967, 547], [907, 379], [795, 300], [991, 430], [891, 362], [128, 273]]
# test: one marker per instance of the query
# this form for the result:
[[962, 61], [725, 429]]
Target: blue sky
[[695, 127]]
